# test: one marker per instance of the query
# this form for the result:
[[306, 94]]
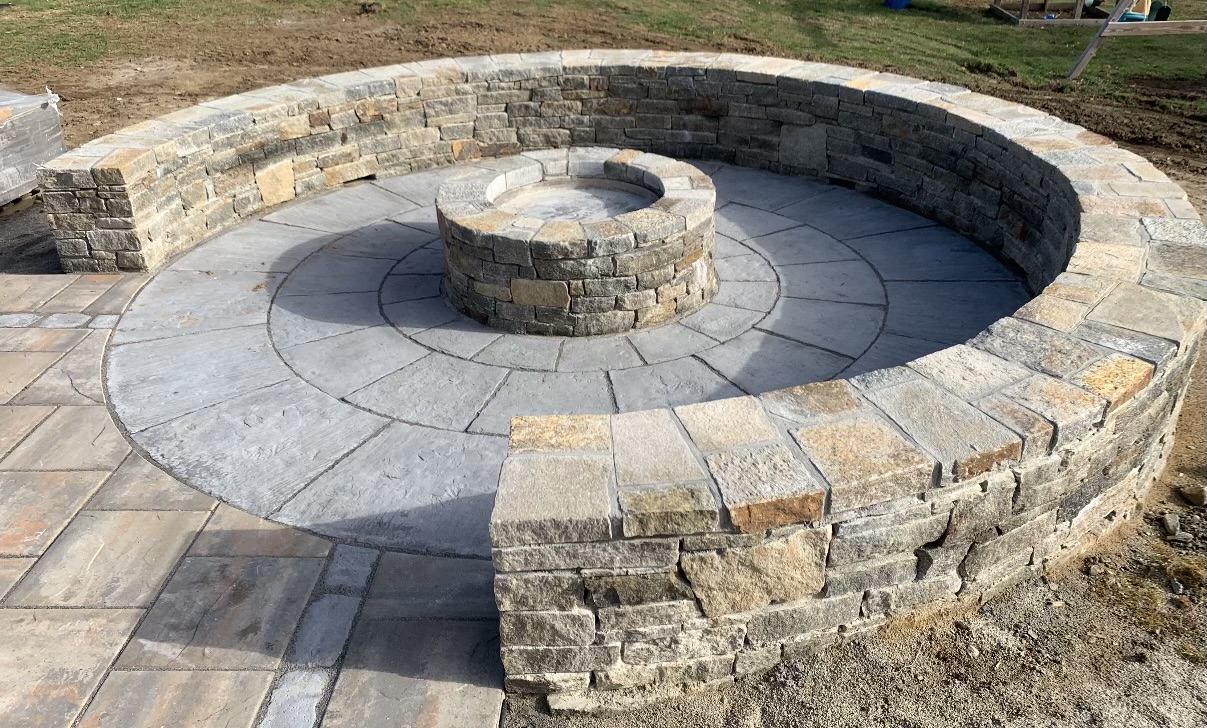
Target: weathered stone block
[[743, 579], [629, 589], [651, 449], [548, 498], [727, 423], [865, 461], [547, 628], [766, 487], [538, 591], [801, 618], [668, 508]]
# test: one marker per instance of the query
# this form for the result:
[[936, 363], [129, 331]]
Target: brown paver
[[10, 571], [42, 340], [26, 293], [179, 699], [72, 438], [109, 559], [52, 659], [80, 294], [34, 507], [73, 379], [232, 532], [19, 368], [224, 613], [137, 485], [430, 671]]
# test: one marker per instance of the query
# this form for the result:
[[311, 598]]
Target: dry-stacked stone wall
[[683, 547], [567, 278]]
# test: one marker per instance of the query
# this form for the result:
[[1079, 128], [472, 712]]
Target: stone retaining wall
[[687, 546], [639, 269]]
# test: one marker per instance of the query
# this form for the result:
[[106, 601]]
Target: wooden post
[[1120, 8]]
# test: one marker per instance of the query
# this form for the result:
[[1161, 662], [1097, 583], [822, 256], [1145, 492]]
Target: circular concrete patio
[[305, 367]]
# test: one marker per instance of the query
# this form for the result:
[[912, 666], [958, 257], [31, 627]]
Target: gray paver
[[154, 699], [323, 631], [52, 660], [722, 322], [890, 350], [544, 393], [410, 487], [156, 381], [438, 674], [249, 435], [411, 317], [18, 320], [852, 281], [108, 559], [80, 294], [104, 321], [343, 210], [35, 507], [801, 245], [295, 700], [411, 586], [302, 319], [421, 218], [671, 341], [384, 239], [759, 362], [751, 267], [257, 246], [426, 261], [333, 273], [930, 254], [847, 214], [598, 354], [40, 340], [744, 294], [340, 365], [760, 189], [74, 379], [65, 321], [409, 287], [462, 338], [140, 486], [438, 391], [846, 328], [115, 300], [11, 570], [170, 304], [966, 308], [727, 247], [232, 532], [669, 384], [741, 222], [234, 613], [350, 568], [522, 352], [420, 187], [95, 443]]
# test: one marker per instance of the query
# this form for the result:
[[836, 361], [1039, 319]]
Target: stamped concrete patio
[[304, 368]]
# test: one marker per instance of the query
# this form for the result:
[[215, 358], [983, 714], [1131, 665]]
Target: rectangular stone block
[[727, 423], [668, 509], [650, 448], [865, 461], [552, 499], [547, 628], [803, 617], [559, 659], [628, 554], [766, 487], [744, 579], [538, 591], [851, 547]]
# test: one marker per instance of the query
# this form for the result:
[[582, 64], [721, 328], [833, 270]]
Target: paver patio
[[304, 368]]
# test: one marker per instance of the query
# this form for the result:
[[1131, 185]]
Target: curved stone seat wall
[[683, 547]]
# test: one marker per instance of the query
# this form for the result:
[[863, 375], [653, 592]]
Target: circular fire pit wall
[[578, 242]]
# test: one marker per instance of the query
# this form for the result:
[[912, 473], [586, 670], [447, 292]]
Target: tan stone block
[[744, 579], [555, 433], [668, 509], [359, 169], [294, 128], [726, 423], [552, 294], [866, 462], [1055, 313], [1116, 262], [812, 401], [276, 183], [766, 487], [1115, 378]]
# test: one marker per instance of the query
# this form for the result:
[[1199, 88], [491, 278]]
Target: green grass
[[949, 40]]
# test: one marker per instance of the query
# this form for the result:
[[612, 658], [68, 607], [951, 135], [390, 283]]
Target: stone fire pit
[[578, 242]]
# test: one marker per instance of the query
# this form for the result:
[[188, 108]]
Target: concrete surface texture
[[308, 370]]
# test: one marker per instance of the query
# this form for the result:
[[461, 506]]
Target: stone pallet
[[30, 135]]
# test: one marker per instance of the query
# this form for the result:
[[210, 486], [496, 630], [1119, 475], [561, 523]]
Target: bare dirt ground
[[1109, 644]]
